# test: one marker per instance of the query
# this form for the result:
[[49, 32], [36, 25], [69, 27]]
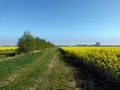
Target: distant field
[[4, 48], [7, 51]]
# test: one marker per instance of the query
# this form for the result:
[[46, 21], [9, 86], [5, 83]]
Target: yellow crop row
[[4, 48]]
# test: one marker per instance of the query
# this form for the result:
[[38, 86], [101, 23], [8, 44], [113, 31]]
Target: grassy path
[[45, 70]]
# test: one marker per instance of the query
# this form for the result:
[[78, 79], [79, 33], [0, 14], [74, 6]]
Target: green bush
[[28, 43]]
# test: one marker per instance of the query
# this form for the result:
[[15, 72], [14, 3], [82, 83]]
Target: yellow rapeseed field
[[105, 59], [4, 48]]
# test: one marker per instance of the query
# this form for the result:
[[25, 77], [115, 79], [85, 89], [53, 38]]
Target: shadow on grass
[[88, 77], [8, 53]]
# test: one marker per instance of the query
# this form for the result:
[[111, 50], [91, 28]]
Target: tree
[[26, 43]]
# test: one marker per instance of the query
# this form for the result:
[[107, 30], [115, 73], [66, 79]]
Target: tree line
[[28, 43]]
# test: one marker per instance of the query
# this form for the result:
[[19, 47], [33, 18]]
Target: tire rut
[[44, 80], [8, 81], [52, 64]]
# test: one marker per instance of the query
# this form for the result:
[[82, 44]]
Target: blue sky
[[62, 22]]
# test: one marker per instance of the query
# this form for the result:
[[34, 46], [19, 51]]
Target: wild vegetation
[[28, 43]]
